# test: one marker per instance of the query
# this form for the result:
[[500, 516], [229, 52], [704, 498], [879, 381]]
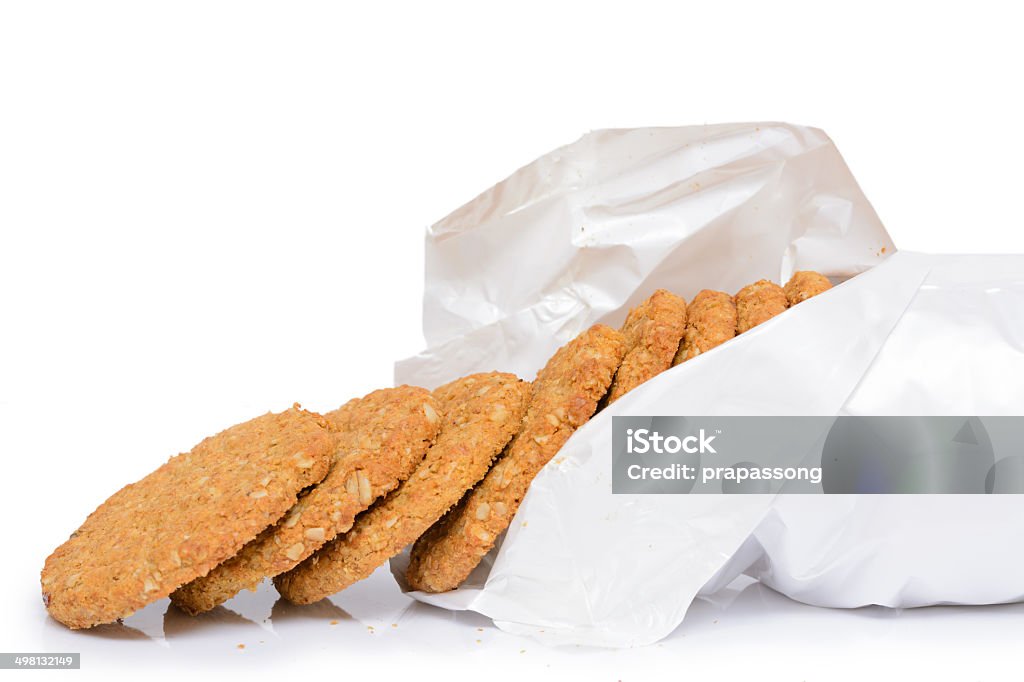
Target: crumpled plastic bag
[[591, 229]]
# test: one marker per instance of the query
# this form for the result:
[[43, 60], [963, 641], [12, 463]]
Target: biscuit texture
[[186, 517], [379, 440], [757, 303], [652, 333], [804, 284], [565, 395], [710, 322], [480, 414]]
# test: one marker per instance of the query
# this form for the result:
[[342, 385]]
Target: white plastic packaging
[[591, 229]]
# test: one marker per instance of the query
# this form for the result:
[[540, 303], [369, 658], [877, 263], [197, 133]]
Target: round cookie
[[757, 303], [652, 332], [380, 439], [186, 517], [565, 395], [804, 284], [710, 322], [481, 413]]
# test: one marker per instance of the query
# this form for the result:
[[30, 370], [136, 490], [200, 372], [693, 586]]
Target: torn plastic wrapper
[[591, 229]]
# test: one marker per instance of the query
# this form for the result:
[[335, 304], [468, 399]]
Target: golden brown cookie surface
[[710, 322], [757, 303], [565, 395], [804, 284], [652, 333], [186, 517], [379, 440], [480, 414]]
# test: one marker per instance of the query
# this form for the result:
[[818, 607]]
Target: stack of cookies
[[318, 502]]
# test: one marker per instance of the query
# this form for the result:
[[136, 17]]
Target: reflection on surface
[[747, 608], [177, 623], [255, 605], [113, 631], [324, 609], [150, 620], [376, 623]]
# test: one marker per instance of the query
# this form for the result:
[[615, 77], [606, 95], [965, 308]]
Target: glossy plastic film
[[591, 229]]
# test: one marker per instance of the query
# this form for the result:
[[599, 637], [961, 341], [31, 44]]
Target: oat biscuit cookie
[[652, 332], [757, 303], [380, 439], [710, 322], [804, 284], [480, 414], [186, 517], [564, 396]]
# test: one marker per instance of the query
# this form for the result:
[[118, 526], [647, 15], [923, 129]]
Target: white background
[[209, 210]]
